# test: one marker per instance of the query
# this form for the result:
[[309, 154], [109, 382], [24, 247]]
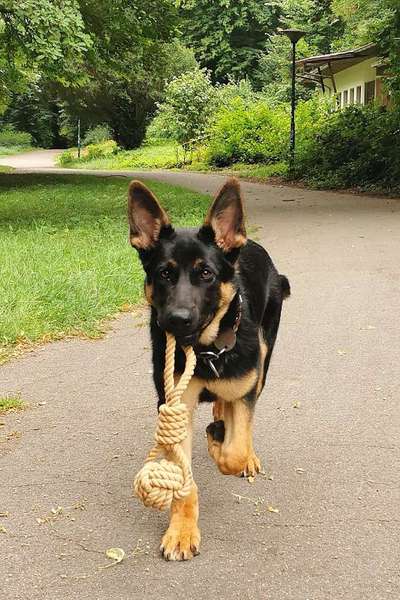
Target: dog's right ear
[[146, 217]]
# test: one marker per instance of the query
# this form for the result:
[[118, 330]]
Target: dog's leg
[[181, 541], [218, 410], [230, 442]]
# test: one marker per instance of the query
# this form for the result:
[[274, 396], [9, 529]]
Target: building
[[354, 76]]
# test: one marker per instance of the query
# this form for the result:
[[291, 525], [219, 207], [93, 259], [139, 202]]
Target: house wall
[[354, 76]]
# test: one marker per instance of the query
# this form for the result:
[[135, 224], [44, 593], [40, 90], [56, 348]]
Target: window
[[358, 94], [369, 93], [352, 96], [339, 100], [345, 97]]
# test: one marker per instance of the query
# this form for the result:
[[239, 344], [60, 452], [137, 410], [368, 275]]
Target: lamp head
[[294, 35]]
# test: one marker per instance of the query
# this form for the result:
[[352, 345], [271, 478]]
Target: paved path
[[37, 159], [327, 429]]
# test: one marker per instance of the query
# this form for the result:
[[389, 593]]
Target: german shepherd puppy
[[218, 291]]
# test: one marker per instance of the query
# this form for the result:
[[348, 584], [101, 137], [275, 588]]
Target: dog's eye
[[206, 274], [165, 274]]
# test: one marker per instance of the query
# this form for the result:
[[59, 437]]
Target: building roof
[[338, 61]]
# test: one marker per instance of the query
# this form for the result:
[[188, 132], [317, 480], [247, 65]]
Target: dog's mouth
[[190, 339]]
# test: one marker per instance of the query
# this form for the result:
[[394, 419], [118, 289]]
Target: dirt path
[[327, 430]]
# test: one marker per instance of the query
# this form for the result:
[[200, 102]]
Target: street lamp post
[[79, 138], [294, 36]]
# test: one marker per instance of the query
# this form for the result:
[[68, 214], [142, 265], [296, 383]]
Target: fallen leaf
[[57, 510], [296, 405], [4, 514], [272, 509], [341, 352], [299, 470], [3, 529], [250, 479], [116, 554]]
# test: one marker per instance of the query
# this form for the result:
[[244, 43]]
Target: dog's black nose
[[180, 321]]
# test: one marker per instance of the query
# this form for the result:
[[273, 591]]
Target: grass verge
[[11, 403], [65, 263], [160, 156], [168, 156], [10, 150]]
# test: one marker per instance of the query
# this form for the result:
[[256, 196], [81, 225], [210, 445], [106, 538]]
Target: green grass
[[65, 263], [248, 171], [10, 150], [11, 403], [161, 156], [4, 169], [164, 156]]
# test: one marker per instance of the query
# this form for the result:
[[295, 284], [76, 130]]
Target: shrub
[[67, 157], [186, 111], [102, 150], [248, 133], [226, 94], [96, 135], [11, 137], [175, 122], [357, 146]]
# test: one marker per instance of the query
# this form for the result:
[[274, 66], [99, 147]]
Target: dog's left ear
[[146, 217], [226, 217]]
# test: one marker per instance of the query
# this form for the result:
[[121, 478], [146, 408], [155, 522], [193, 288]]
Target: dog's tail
[[285, 286]]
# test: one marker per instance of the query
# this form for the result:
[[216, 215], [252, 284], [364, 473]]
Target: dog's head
[[190, 274]]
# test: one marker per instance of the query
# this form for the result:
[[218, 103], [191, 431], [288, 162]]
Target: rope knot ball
[[172, 424], [158, 483]]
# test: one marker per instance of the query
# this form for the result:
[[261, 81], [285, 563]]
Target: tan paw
[[181, 542], [230, 459], [253, 466]]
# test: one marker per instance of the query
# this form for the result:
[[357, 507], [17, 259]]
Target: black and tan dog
[[214, 289]]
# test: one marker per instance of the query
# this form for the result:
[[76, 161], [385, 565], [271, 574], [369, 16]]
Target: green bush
[[186, 111], [96, 135], [102, 150], [191, 105], [248, 133], [11, 137], [357, 146], [67, 157]]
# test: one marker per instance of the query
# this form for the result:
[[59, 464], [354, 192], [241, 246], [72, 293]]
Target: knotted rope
[[158, 483]]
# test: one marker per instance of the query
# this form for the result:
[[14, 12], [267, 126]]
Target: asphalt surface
[[31, 160], [327, 430]]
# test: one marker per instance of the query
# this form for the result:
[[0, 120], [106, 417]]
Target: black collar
[[226, 338]]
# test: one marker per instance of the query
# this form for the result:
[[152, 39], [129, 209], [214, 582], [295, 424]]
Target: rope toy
[[158, 483]]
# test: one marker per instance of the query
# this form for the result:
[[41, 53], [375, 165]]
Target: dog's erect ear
[[226, 217], [145, 215]]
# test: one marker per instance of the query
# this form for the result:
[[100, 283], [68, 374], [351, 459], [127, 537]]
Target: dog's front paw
[[231, 459], [181, 542], [253, 466]]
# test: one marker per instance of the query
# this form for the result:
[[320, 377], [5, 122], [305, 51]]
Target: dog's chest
[[229, 389]]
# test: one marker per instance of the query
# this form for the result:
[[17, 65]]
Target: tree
[[134, 52], [376, 21], [364, 20], [190, 100], [228, 36], [322, 25], [40, 38], [35, 113]]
